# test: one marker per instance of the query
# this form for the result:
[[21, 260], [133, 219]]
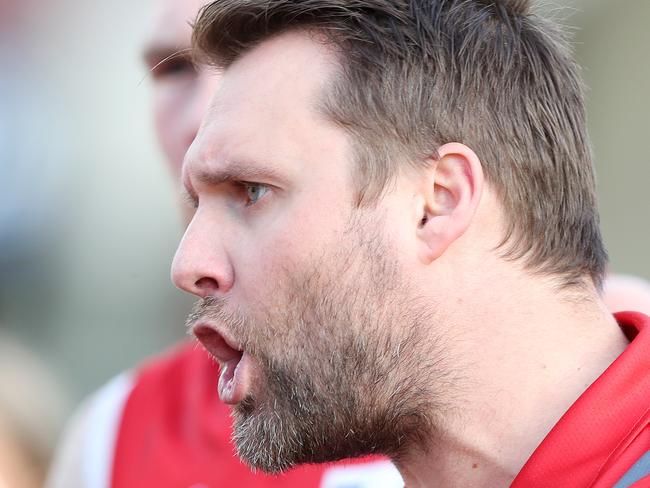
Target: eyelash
[[241, 186]]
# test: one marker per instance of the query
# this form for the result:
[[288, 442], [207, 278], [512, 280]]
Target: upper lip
[[217, 341]]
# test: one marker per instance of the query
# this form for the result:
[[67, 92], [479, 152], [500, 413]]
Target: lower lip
[[234, 379]]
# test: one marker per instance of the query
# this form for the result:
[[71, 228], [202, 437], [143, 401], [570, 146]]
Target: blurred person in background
[[33, 401], [31, 406], [163, 425]]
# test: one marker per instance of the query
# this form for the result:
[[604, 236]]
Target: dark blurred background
[[88, 222]]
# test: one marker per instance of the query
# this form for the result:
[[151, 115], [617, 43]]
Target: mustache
[[207, 309], [216, 310]]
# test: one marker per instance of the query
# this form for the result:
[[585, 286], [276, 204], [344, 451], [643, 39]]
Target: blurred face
[[305, 300], [181, 92]]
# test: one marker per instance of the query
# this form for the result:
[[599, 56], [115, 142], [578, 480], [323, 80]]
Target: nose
[[201, 265]]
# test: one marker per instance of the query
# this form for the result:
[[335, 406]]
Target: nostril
[[207, 286]]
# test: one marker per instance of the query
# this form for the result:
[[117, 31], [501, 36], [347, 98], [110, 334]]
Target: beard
[[347, 364]]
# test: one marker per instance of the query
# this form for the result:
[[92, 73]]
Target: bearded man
[[397, 251], [162, 424]]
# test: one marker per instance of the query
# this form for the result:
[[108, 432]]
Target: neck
[[526, 354]]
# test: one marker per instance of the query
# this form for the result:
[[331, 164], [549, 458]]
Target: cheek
[[286, 242], [267, 265], [270, 261]]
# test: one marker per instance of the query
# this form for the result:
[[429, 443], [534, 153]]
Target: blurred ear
[[451, 192]]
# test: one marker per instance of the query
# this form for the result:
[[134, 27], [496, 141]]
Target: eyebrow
[[157, 54], [231, 171]]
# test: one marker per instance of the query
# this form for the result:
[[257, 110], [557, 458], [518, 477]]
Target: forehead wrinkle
[[238, 122]]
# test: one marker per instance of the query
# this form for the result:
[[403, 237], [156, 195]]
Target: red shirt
[[605, 435], [175, 432]]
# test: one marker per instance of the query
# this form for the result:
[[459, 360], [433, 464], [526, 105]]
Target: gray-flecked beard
[[346, 369]]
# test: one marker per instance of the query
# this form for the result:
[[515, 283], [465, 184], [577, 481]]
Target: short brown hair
[[415, 74]]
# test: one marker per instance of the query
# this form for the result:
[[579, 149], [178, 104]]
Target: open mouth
[[233, 380]]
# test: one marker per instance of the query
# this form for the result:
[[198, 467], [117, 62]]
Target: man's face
[[181, 91], [306, 303]]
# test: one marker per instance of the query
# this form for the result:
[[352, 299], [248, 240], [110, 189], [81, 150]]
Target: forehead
[[286, 73], [267, 102], [170, 23]]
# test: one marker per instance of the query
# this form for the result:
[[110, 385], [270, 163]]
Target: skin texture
[[271, 180], [367, 328], [316, 278]]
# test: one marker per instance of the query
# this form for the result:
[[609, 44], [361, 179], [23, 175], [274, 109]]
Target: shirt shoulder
[[164, 425], [85, 453], [604, 438]]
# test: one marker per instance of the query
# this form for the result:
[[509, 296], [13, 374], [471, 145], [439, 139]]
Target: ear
[[451, 193]]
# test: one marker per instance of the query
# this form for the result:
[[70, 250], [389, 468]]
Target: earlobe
[[451, 196]]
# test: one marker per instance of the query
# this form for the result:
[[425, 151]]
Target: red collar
[[592, 436]]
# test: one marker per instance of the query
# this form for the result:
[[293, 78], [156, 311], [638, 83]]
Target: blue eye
[[254, 191]]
